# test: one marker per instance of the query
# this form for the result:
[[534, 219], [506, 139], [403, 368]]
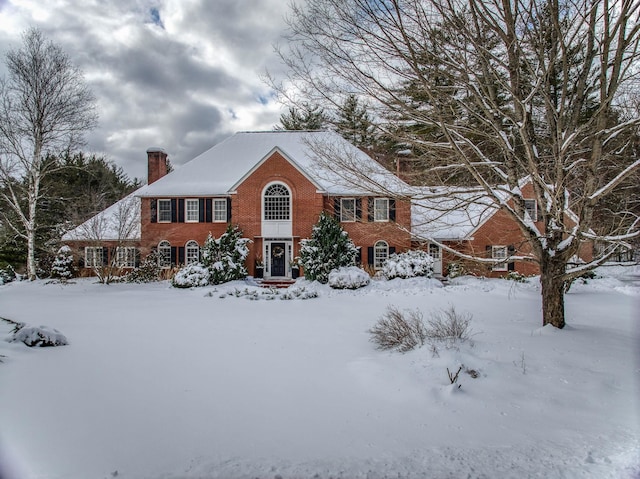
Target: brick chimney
[[157, 164]]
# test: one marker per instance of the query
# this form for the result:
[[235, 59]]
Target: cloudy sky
[[179, 74]]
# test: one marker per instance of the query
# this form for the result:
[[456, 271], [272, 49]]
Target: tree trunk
[[551, 278]]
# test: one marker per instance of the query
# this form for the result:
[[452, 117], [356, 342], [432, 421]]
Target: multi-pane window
[[381, 209], [380, 254], [93, 256], [500, 253], [164, 211], [164, 254], [434, 251], [192, 252], [347, 209], [276, 203], [220, 210], [531, 207], [125, 257], [192, 208]]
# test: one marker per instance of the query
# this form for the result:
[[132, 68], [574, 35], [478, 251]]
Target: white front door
[[436, 253]]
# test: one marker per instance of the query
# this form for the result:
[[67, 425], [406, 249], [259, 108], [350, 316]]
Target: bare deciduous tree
[[501, 89], [45, 108]]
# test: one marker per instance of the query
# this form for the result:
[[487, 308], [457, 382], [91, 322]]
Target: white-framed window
[[347, 210], [277, 203], [531, 207], [164, 254], [220, 210], [381, 209], [192, 252], [93, 256], [500, 253], [192, 210], [434, 251], [380, 254], [164, 211], [126, 257]]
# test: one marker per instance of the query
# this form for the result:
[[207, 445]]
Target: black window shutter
[[181, 210], [181, 255], [174, 210], [488, 251], [370, 255], [154, 210], [370, 212], [137, 253], [392, 209], [174, 255], [228, 210], [359, 256], [511, 266], [105, 256], [336, 208], [392, 250], [358, 209], [209, 210], [201, 210]]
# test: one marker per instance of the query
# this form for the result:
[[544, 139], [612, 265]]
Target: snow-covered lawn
[[165, 383]]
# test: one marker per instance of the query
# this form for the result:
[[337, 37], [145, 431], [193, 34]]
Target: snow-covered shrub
[[224, 257], [402, 331], [408, 265], [148, 271], [7, 274], [298, 292], [515, 276], [348, 277], [328, 248], [449, 326], [41, 336], [192, 275], [454, 270], [62, 266]]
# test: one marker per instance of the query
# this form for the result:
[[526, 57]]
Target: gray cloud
[[169, 73]]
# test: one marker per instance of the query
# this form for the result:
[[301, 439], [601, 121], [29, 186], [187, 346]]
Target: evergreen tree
[[329, 248], [310, 117], [354, 123], [224, 257], [62, 267]]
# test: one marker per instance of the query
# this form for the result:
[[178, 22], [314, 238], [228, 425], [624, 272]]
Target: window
[[192, 251], [531, 207], [164, 211], [192, 211], [93, 256], [434, 251], [381, 209], [380, 254], [276, 203], [500, 253], [125, 257], [164, 254], [347, 209], [220, 210]]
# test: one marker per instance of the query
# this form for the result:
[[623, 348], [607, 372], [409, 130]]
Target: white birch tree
[[45, 108], [508, 89]]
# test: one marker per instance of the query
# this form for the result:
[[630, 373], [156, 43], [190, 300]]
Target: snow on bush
[[7, 274], [224, 257], [399, 330], [408, 265], [34, 336], [192, 275], [149, 271], [62, 266], [348, 277]]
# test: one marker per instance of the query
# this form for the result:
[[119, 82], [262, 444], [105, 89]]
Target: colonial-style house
[[273, 186]]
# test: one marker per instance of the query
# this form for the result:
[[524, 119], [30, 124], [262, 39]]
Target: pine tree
[[329, 248], [62, 267], [224, 257], [309, 117], [354, 123]]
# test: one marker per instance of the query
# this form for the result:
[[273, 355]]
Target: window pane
[[220, 210], [164, 211], [347, 209], [192, 252], [381, 208], [192, 207], [276, 203], [380, 254], [499, 252], [531, 208], [164, 254]]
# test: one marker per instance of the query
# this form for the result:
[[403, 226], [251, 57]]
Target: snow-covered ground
[[165, 383]]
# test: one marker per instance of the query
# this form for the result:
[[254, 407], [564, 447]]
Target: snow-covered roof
[[219, 170], [449, 213], [120, 221]]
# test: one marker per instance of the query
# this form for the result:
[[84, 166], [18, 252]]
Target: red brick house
[[273, 186]]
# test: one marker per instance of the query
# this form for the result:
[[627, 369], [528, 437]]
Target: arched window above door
[[277, 203]]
